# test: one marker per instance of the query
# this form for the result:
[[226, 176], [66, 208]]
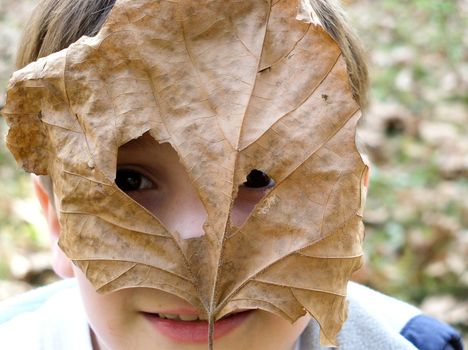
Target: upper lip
[[188, 311], [179, 311]]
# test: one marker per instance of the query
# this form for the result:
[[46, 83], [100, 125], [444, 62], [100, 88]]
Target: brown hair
[[55, 24]]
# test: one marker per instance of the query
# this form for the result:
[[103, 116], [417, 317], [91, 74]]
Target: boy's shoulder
[[377, 321], [50, 317], [422, 331]]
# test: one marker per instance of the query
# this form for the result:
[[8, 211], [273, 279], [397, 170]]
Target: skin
[[165, 189]]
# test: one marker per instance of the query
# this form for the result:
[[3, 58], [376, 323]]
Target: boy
[[153, 132]]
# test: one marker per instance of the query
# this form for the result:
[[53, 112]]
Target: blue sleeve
[[427, 333]]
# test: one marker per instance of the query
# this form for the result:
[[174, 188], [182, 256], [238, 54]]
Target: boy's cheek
[[61, 264], [364, 185], [366, 179], [107, 314]]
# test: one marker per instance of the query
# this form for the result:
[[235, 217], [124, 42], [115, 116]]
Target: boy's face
[[151, 174], [234, 87]]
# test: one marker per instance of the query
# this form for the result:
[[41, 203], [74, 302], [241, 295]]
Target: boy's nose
[[190, 217], [191, 214]]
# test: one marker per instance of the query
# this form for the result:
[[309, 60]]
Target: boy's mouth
[[192, 316], [181, 317], [190, 327]]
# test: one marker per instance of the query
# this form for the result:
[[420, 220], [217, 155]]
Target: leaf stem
[[210, 331]]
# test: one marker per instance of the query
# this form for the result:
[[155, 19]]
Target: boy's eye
[[131, 180], [258, 179]]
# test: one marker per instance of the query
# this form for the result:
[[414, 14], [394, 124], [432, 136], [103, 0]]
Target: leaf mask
[[232, 86]]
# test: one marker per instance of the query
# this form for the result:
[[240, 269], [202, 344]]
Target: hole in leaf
[[257, 179], [257, 184], [151, 174]]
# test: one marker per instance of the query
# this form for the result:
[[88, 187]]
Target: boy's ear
[[61, 264], [366, 177]]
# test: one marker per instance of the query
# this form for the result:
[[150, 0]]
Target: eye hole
[[258, 179], [129, 180]]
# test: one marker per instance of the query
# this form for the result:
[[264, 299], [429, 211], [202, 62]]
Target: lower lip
[[196, 331]]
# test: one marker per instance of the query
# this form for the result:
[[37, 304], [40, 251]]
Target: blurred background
[[416, 134]]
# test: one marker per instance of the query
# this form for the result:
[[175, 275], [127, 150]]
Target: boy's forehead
[[232, 86]]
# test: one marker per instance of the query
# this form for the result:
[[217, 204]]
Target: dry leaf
[[232, 86]]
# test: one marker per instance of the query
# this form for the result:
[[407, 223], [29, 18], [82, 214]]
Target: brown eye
[[130, 180], [258, 179]]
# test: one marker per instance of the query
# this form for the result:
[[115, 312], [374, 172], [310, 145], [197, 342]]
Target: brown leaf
[[232, 86]]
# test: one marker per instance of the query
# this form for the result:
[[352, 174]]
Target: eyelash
[[141, 183]]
